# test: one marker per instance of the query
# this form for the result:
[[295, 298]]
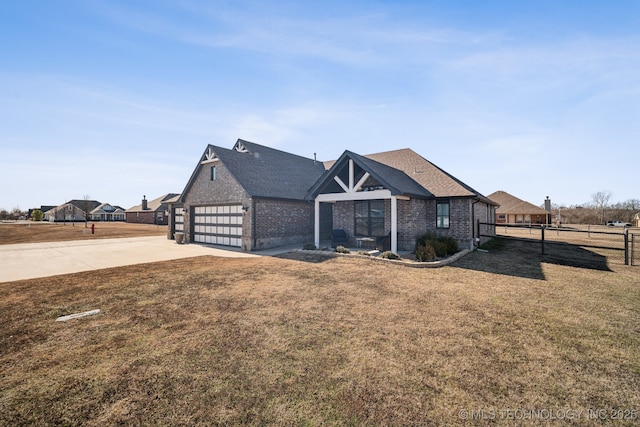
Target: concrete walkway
[[32, 260]]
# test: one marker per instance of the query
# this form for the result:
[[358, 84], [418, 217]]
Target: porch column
[[394, 224], [316, 224]]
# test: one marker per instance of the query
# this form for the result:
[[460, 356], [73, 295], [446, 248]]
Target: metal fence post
[[626, 246], [542, 239]]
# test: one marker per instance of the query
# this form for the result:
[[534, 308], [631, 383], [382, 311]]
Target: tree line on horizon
[[598, 211]]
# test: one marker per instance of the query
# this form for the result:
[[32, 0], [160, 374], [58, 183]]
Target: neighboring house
[[107, 212], [154, 211], [513, 210], [257, 197], [74, 210]]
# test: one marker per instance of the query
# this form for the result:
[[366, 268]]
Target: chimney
[[144, 203], [547, 204]]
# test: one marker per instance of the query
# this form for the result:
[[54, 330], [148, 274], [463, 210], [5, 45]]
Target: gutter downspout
[[253, 224], [473, 224]]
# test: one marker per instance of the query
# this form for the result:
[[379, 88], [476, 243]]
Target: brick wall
[[412, 222], [343, 218], [459, 221], [283, 222], [148, 217]]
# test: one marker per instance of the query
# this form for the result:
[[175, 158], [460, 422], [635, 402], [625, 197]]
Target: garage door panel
[[178, 219], [218, 225]]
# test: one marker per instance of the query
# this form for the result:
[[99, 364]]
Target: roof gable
[[263, 171], [406, 172], [392, 179]]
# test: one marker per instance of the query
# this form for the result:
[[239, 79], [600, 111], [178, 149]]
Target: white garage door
[[218, 225], [178, 219]]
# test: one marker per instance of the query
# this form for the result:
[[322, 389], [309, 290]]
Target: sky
[[119, 99]]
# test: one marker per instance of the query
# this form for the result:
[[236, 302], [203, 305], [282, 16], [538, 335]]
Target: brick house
[[256, 197], [154, 211], [398, 195], [251, 197], [513, 210]]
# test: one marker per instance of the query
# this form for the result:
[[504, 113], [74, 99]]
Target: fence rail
[[626, 241]]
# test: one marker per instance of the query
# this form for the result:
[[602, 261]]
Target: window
[[369, 218], [442, 214], [213, 173]]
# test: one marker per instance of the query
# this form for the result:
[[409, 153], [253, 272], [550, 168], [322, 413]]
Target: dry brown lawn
[[34, 232], [300, 340]]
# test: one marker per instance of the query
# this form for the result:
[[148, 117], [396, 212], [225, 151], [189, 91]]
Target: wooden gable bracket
[[209, 156], [351, 188]]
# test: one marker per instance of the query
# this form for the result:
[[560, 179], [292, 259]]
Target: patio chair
[[339, 237]]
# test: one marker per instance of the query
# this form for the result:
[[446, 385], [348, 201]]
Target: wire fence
[[617, 245]]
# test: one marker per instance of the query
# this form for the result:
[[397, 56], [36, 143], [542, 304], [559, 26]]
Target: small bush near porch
[[430, 246]]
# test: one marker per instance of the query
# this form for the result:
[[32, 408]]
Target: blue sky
[[116, 99]]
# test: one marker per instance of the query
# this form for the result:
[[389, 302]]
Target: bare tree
[[633, 205], [600, 202]]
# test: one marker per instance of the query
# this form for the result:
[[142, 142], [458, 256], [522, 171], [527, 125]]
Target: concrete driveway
[[32, 260]]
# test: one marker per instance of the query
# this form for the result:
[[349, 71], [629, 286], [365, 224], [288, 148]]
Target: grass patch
[[208, 341], [35, 232], [492, 244]]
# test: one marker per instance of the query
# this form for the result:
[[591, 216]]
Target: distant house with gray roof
[[107, 212], [73, 210], [255, 197]]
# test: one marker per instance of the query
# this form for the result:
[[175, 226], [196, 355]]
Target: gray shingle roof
[[392, 178], [406, 172], [267, 172]]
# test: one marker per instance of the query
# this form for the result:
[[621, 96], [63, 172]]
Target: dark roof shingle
[[266, 172]]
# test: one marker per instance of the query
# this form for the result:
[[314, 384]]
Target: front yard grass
[[311, 341]]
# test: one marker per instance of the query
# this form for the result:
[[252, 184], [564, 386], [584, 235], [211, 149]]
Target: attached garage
[[218, 225]]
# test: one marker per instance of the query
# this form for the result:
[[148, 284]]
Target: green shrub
[[37, 215], [309, 247], [441, 246], [389, 255], [451, 244], [342, 250]]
